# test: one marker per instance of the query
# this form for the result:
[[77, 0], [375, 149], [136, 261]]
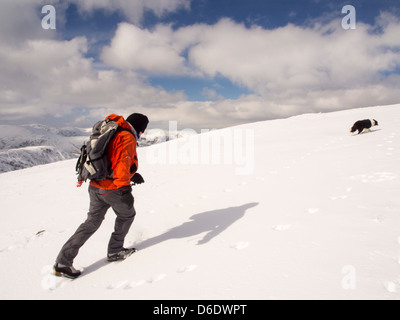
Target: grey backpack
[[93, 163]]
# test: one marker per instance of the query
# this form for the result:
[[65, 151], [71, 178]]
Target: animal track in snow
[[118, 285], [188, 268], [282, 227], [343, 197], [157, 277], [135, 284], [398, 241], [23, 242], [375, 177], [391, 286], [126, 284], [313, 210], [240, 245]]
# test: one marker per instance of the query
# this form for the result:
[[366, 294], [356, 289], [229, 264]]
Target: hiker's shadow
[[213, 222]]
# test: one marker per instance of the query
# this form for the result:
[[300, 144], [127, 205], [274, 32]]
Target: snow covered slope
[[306, 211]]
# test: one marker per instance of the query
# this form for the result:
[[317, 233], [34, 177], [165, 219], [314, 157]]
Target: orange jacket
[[121, 152]]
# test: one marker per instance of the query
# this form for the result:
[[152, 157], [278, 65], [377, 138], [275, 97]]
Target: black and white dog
[[362, 125]]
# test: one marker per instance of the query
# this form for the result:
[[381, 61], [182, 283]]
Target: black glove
[[137, 179]]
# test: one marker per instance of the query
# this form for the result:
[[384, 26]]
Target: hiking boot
[[69, 272], [121, 255]]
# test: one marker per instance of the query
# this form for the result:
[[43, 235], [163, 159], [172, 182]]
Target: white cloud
[[39, 71], [290, 70], [211, 94], [52, 78], [134, 9], [287, 58], [138, 49], [294, 57], [43, 77]]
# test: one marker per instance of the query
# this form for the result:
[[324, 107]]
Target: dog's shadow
[[366, 132], [212, 223]]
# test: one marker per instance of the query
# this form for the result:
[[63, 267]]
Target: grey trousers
[[121, 201]]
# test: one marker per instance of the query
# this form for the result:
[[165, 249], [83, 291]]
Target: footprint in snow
[[156, 278], [240, 245], [339, 197], [398, 241], [49, 281], [188, 268], [313, 210], [391, 286], [118, 285], [282, 227], [345, 196], [23, 242], [135, 284], [126, 284]]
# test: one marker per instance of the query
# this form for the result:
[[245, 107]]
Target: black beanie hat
[[138, 121]]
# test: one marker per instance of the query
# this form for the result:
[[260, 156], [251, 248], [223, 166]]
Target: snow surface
[[316, 216]]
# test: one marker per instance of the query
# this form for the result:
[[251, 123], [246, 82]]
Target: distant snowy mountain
[[155, 136], [15, 159], [27, 146], [30, 145]]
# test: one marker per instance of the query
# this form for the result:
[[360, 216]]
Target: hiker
[[115, 193]]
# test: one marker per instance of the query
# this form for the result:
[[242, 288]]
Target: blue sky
[[203, 63], [100, 25]]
